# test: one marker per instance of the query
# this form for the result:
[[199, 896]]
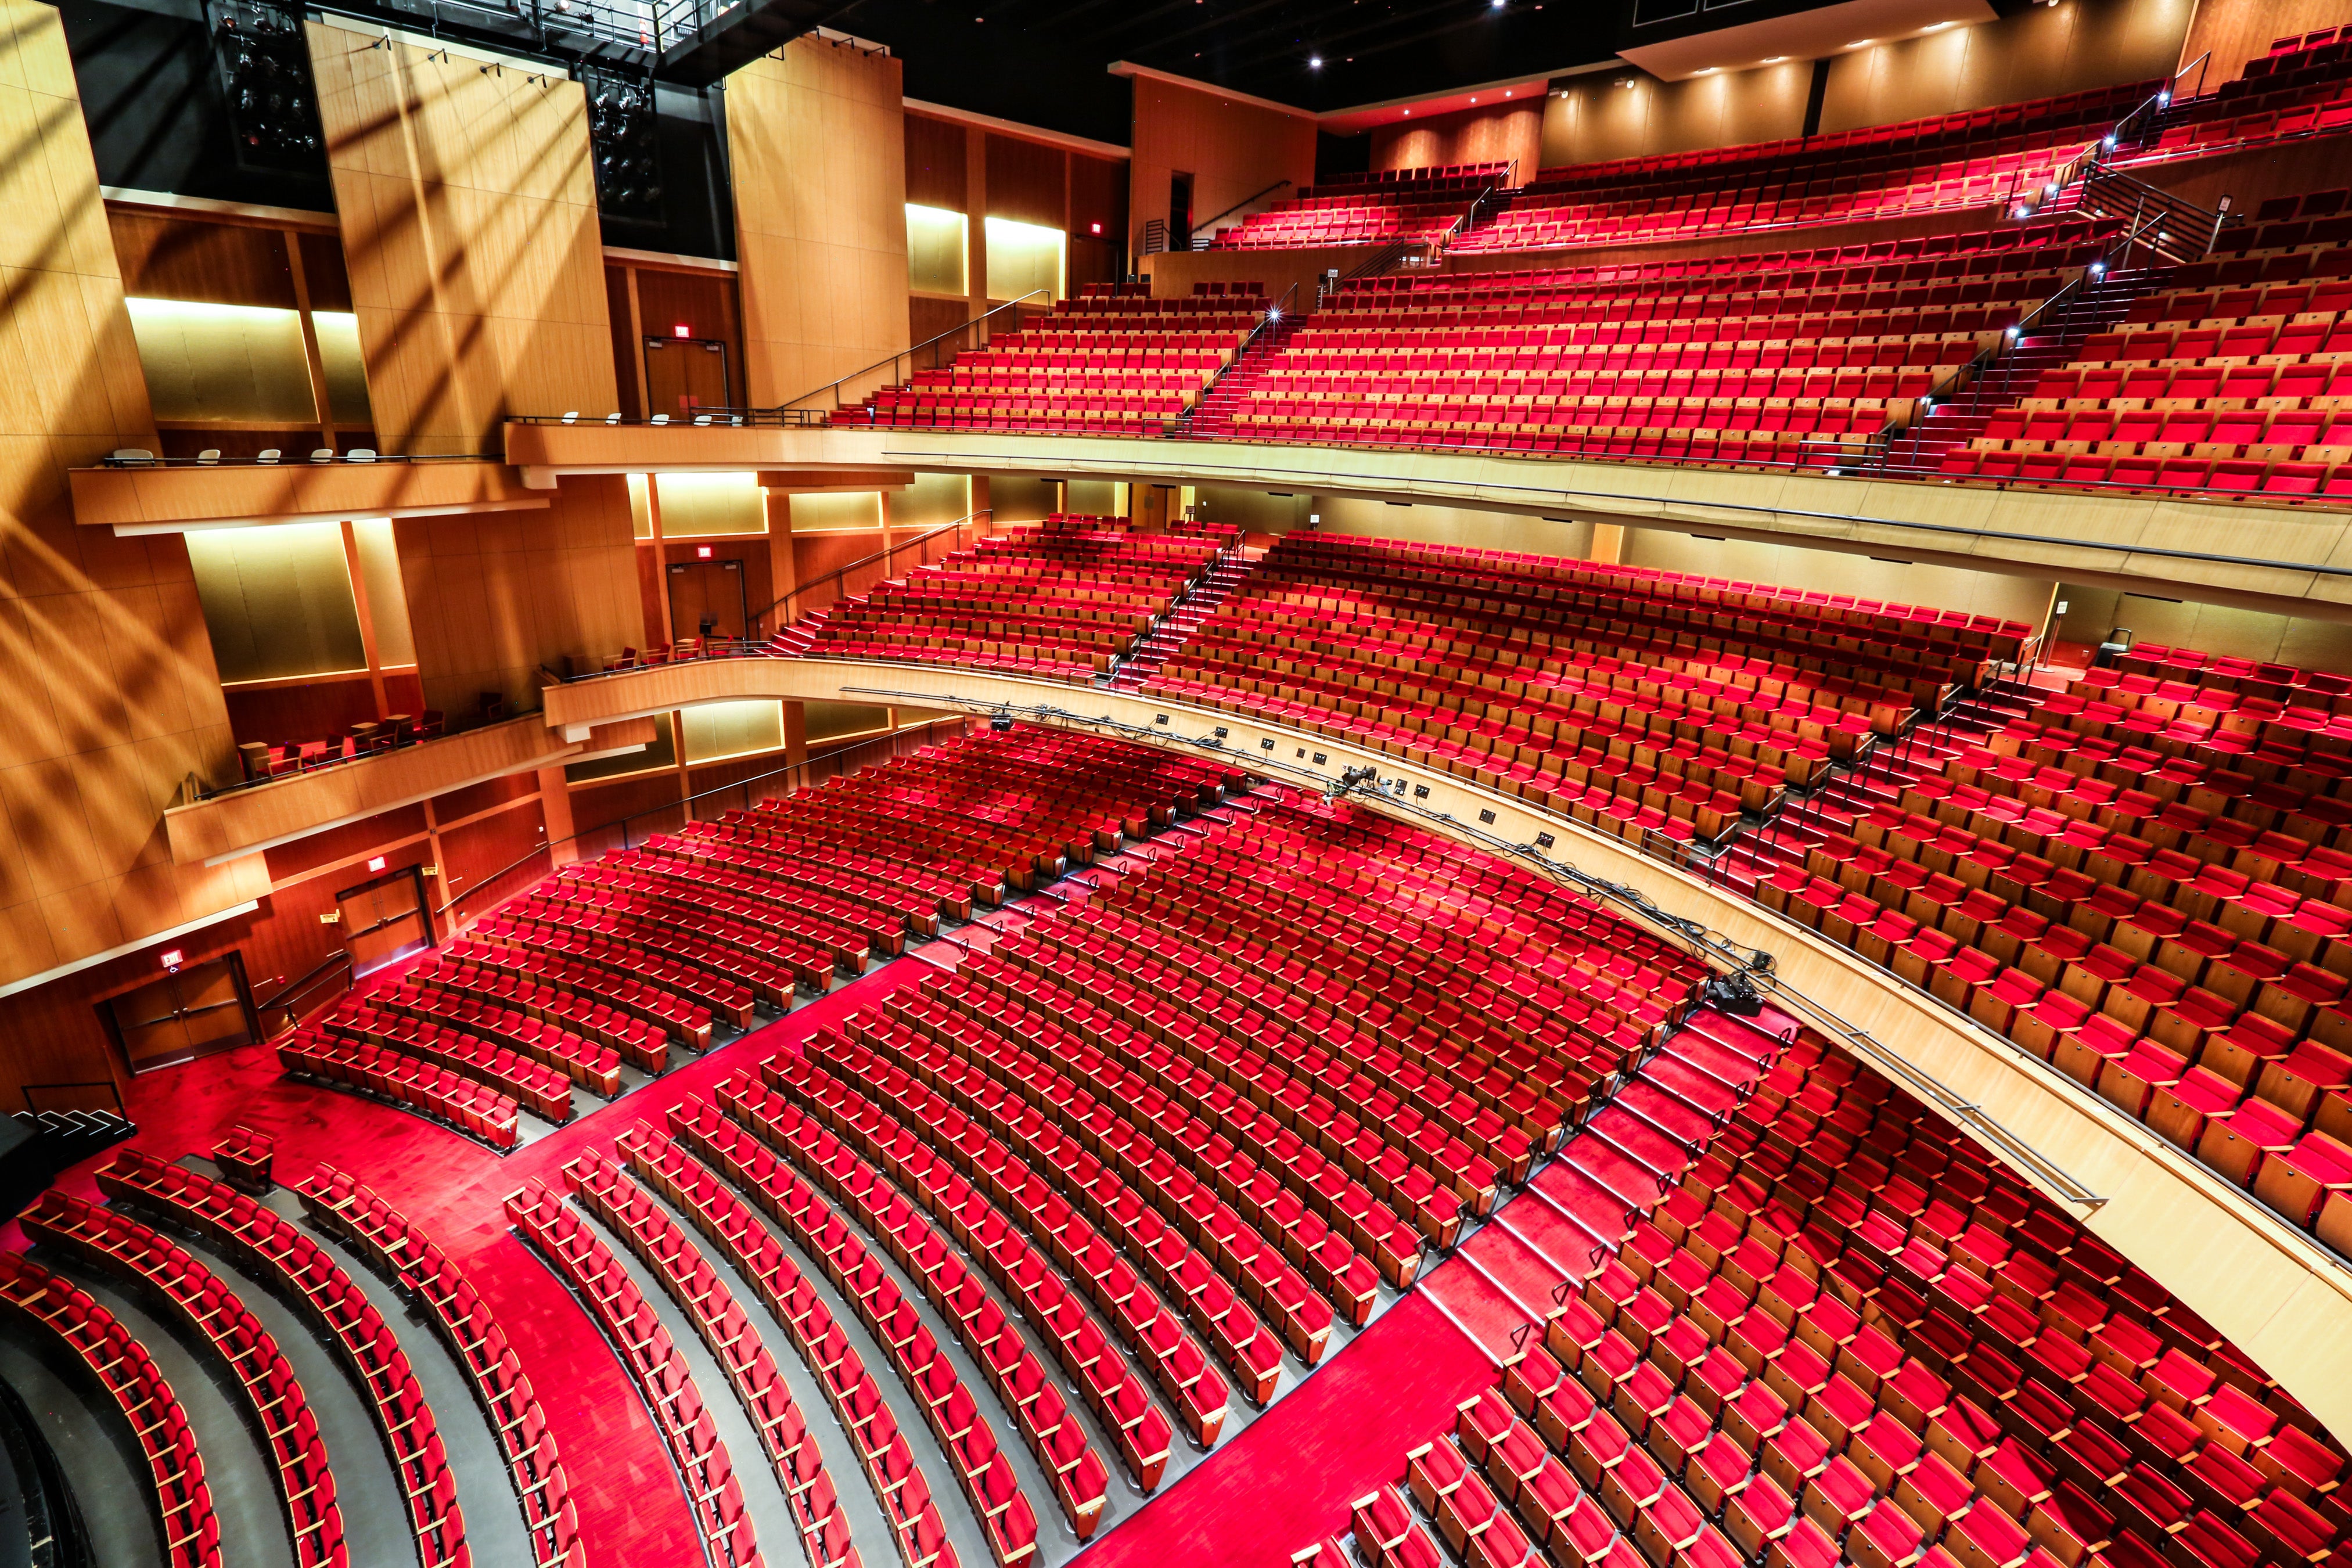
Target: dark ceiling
[[1043, 62]]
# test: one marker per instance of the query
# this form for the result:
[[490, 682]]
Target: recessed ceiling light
[[1704, 70], [1315, 62], [1859, 42], [1776, 59], [1935, 26]]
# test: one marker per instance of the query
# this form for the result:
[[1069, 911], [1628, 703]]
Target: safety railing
[[1204, 233], [327, 980], [868, 571], [933, 353]]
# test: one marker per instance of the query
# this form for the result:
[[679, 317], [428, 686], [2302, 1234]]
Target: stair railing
[[1272, 319], [821, 405]]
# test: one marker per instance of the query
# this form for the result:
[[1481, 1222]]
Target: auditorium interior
[[1337, 784]]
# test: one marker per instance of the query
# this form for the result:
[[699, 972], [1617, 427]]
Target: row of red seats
[[582, 1036], [935, 1090], [309, 1277], [43, 1303], [588, 1267], [642, 995], [669, 1168], [811, 938], [540, 1089], [849, 880], [465, 1323], [735, 1344], [844, 919], [269, 1393], [872, 1165], [1111, 1389], [405, 1080], [579, 899], [650, 986], [981, 1469], [2286, 482]]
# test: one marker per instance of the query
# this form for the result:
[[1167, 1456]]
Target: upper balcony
[[146, 495]]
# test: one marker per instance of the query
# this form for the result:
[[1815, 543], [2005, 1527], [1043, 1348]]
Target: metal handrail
[[107, 1084], [883, 554], [340, 958], [1268, 319], [835, 385], [1210, 222]]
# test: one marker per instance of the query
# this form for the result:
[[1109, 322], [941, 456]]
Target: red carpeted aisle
[[1289, 1479], [630, 1506]]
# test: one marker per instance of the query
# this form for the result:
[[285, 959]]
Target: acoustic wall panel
[[468, 208], [816, 141], [105, 672]]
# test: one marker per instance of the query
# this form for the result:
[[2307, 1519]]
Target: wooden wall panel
[[1098, 196], [468, 209], [935, 162], [1230, 147], [2040, 51], [816, 141], [167, 256], [493, 595], [1511, 132], [2236, 31], [106, 676], [1027, 180], [1590, 119]]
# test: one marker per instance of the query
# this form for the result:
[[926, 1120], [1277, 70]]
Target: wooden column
[[360, 599], [975, 227], [555, 806], [319, 400], [1608, 543], [637, 350]]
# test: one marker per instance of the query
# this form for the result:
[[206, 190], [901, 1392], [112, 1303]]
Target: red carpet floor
[[630, 1506], [1287, 1480]]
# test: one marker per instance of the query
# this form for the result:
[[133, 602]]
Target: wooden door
[[189, 1012], [683, 375], [384, 919], [707, 599]]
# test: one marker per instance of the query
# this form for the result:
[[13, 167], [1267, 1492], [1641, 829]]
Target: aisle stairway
[[2000, 385], [1183, 617], [1212, 419]]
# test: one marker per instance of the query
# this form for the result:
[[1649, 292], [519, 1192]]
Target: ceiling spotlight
[[1495, 5], [1935, 26], [1315, 62], [1776, 59], [1859, 42], [1704, 70]]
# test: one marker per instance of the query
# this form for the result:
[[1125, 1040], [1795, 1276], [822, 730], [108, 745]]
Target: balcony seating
[[414, 1262], [410, 1082], [270, 760], [1057, 1439], [1583, 361], [2293, 92], [1970, 159], [270, 1396], [1415, 207], [671, 1398], [46, 1306], [309, 1278], [1061, 602], [1634, 732], [735, 1342], [700, 1134], [1101, 365]]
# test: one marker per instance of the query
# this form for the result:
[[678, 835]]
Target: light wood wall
[[493, 595], [2039, 52], [1511, 132], [1593, 118], [468, 206], [2237, 31], [816, 141], [106, 677], [1230, 147]]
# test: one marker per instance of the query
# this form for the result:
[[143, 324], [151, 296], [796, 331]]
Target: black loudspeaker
[[24, 1166]]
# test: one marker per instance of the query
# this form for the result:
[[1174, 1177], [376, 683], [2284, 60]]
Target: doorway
[[384, 920], [1180, 212], [191, 1012], [685, 374], [707, 599]]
